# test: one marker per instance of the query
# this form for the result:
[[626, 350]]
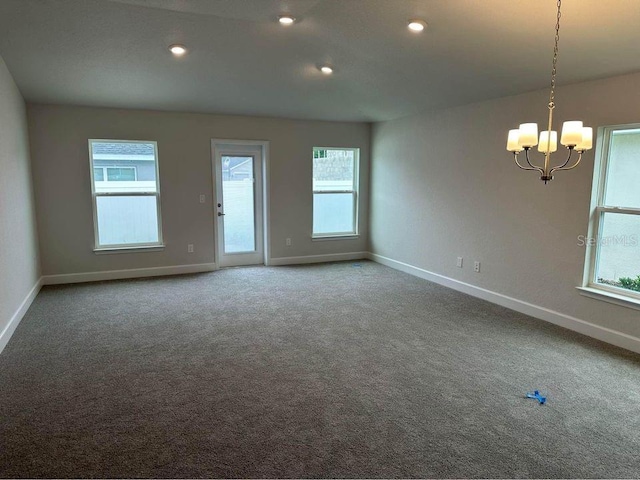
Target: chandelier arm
[[533, 167], [515, 157], [561, 167], [564, 167]]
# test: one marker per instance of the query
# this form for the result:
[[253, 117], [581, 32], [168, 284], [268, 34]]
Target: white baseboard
[[332, 257], [5, 336], [129, 273], [604, 334], [607, 335]]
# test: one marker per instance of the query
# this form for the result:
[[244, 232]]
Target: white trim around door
[[258, 150]]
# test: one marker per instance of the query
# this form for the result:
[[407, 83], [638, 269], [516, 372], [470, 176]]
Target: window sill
[[349, 236], [610, 297], [110, 250]]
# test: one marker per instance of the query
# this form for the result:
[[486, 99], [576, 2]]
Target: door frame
[[219, 144]]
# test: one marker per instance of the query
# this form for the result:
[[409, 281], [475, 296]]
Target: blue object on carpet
[[536, 395]]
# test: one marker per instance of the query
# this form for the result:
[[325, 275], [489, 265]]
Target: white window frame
[[590, 287], [354, 192], [114, 248]]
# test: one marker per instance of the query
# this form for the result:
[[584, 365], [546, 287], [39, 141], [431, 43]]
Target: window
[[114, 174], [335, 191], [98, 174], [613, 258], [126, 194]]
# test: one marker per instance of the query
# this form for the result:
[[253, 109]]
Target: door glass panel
[[238, 204]]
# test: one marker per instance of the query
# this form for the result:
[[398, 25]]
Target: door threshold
[[242, 266]]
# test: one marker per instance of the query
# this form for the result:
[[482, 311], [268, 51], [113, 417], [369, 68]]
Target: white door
[[239, 211]]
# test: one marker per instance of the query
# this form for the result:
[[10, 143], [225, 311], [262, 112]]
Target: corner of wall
[[20, 254]]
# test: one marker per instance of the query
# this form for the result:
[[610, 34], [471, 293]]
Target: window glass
[[333, 212], [126, 193], [623, 172], [127, 220], [619, 255], [121, 174], [334, 170], [334, 183]]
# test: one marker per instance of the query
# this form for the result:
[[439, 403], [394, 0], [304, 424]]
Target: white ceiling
[[114, 53]]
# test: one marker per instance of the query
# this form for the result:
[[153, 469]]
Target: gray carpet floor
[[329, 370]]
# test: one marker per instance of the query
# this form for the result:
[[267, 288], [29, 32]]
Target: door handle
[[220, 214]]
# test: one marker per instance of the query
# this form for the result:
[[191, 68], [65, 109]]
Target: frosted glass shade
[[528, 135], [544, 141], [587, 139], [571, 133], [512, 141]]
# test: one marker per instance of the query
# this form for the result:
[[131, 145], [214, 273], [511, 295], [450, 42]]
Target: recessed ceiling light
[[286, 19], [178, 50], [326, 69], [417, 25]]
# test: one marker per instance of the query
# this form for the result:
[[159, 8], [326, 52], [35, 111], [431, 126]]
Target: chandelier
[[575, 137]]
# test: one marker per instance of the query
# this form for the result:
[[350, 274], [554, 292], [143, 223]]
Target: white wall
[[59, 137], [19, 263], [443, 186]]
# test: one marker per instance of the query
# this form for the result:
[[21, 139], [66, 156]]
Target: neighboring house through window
[[114, 174], [335, 192], [613, 257], [126, 194], [237, 168]]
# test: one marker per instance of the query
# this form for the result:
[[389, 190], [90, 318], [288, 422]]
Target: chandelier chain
[[555, 59]]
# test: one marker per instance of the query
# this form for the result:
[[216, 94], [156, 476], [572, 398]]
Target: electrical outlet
[[288, 242], [459, 262], [202, 198], [190, 248], [476, 267]]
